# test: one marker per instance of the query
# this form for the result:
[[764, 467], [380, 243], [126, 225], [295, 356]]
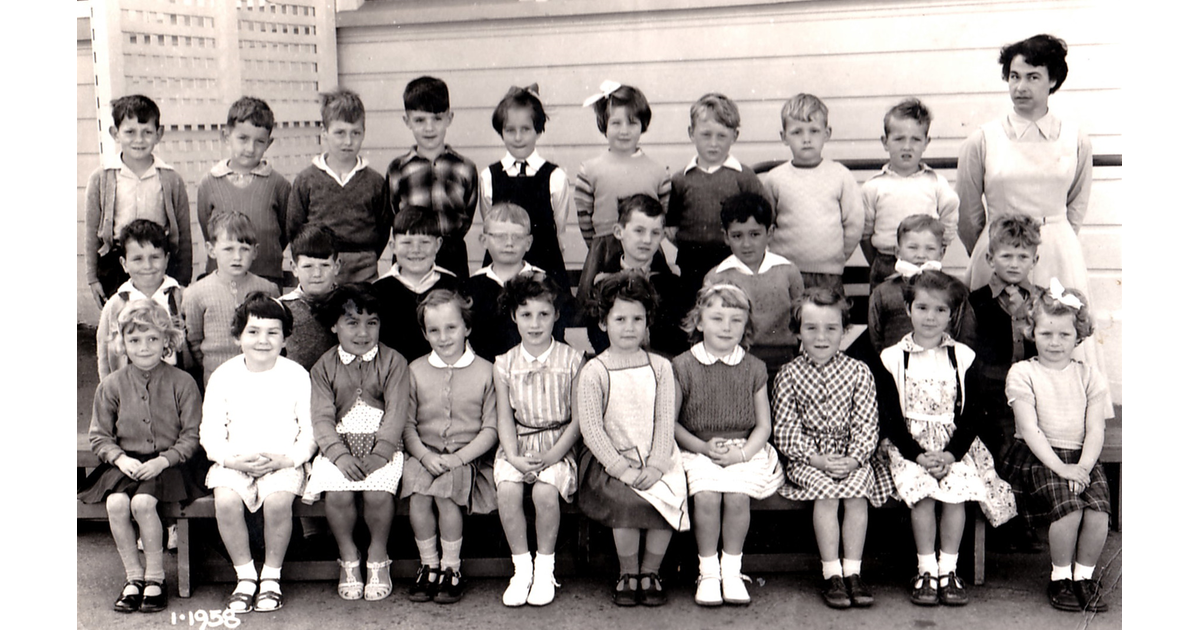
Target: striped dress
[[539, 390]]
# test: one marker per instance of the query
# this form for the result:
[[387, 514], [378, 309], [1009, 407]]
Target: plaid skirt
[[1042, 496]]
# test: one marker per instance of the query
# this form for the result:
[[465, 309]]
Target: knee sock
[[245, 572], [1059, 573], [450, 551], [651, 562], [947, 563], [133, 564], [428, 551], [1081, 572], [831, 568], [927, 564], [628, 564], [851, 567], [154, 566]]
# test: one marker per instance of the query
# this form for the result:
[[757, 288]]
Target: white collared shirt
[[541, 358], [491, 273], [1047, 127], [320, 162], [707, 358], [468, 356], [348, 358], [138, 196], [561, 196], [425, 283], [730, 162], [769, 260]]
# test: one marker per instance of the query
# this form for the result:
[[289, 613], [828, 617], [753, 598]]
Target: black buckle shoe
[[425, 586], [154, 603], [652, 595], [133, 601], [924, 593], [953, 593], [625, 593], [451, 587]]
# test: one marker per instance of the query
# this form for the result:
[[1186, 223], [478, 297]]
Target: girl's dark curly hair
[[628, 285]]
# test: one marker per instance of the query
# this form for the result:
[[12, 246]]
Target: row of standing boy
[[510, 232]]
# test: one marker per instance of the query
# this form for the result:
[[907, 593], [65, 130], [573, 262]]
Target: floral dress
[[931, 382]]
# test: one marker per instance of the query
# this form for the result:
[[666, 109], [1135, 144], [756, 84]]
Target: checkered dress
[[826, 410]]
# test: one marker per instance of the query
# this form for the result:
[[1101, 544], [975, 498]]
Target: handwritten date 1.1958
[[202, 619]]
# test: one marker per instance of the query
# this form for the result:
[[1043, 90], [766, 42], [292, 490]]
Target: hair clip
[[713, 288], [606, 89], [908, 270], [1058, 294]]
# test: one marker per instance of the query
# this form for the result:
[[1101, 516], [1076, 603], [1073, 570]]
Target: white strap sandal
[[379, 580], [350, 585]]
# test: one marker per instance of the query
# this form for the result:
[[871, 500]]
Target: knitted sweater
[[609, 177], [357, 213], [399, 328], [264, 200], [718, 397], [208, 307], [309, 339], [605, 422], [819, 215], [258, 412], [772, 293], [143, 412], [695, 203], [1060, 397]]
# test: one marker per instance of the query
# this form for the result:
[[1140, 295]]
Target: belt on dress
[[535, 430]]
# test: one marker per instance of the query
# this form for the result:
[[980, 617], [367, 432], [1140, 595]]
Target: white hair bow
[[1058, 292], [908, 270], [606, 89]]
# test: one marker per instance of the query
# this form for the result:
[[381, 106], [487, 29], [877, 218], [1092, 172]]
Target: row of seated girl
[[655, 431]]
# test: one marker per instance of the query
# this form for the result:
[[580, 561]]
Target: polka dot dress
[[357, 429]]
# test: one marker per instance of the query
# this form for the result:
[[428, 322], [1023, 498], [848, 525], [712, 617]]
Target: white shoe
[[733, 583], [708, 590], [517, 593], [542, 591]]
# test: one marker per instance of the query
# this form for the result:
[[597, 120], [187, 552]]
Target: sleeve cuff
[[384, 449], [663, 464]]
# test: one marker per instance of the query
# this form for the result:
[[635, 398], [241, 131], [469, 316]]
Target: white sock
[[851, 567], [731, 564], [947, 563], [1082, 572], [522, 562], [831, 568], [428, 550], [245, 572], [710, 566], [927, 564], [1059, 573], [270, 573], [544, 563], [450, 551]]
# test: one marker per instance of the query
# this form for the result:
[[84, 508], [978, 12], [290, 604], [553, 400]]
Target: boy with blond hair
[[818, 205], [697, 192], [906, 186]]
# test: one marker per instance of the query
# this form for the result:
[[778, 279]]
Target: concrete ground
[[1013, 597]]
